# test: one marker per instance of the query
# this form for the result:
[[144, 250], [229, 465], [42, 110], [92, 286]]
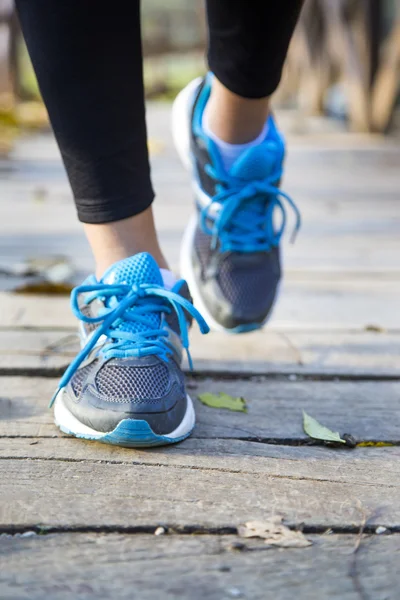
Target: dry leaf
[[222, 400], [45, 287], [51, 275], [274, 533], [375, 328]]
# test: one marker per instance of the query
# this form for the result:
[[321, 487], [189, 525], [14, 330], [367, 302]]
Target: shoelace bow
[[247, 229], [123, 297]]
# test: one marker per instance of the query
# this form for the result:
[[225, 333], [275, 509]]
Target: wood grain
[[65, 494], [193, 567], [233, 456], [368, 410], [304, 305], [40, 351]]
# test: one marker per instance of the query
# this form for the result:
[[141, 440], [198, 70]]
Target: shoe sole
[[130, 433], [181, 116]]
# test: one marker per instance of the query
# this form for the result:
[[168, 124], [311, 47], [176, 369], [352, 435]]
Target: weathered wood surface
[[49, 227], [343, 189], [368, 410], [195, 567], [312, 304], [64, 494], [48, 351], [342, 276], [310, 463]]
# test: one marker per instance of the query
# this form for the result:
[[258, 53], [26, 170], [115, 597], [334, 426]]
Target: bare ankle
[[115, 241], [234, 119]]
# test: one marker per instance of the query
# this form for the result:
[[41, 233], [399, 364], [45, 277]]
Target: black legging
[[88, 60]]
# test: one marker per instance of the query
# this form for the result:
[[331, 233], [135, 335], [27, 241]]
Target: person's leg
[[235, 119], [119, 239], [126, 385], [246, 52], [225, 133], [88, 60]]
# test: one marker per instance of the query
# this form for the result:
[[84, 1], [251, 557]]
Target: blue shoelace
[[241, 228], [121, 300]]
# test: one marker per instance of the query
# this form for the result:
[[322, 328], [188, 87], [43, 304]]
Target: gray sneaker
[[126, 386], [230, 253]]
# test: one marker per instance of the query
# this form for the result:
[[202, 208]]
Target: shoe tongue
[[257, 162], [135, 270]]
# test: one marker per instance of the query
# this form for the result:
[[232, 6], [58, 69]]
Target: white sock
[[169, 278], [231, 152]]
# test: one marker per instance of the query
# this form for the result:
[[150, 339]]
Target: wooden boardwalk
[[77, 519]]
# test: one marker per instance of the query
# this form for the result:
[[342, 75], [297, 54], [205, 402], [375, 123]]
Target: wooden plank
[[274, 408], [312, 304], [65, 494], [369, 244], [310, 463], [40, 215], [354, 305], [43, 351], [194, 567]]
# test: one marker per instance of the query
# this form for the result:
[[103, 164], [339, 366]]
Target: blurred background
[[343, 64], [338, 105]]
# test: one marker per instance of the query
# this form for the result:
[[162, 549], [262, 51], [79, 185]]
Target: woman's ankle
[[111, 242]]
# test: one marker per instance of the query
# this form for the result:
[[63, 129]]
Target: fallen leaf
[[318, 432], [222, 400], [51, 275], [375, 328], [374, 444], [274, 533], [45, 287]]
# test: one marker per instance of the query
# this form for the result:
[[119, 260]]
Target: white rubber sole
[[129, 432]]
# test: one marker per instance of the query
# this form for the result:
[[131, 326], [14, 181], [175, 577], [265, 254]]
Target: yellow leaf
[[374, 444]]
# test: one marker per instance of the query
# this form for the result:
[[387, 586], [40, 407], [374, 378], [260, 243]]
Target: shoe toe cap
[[145, 389]]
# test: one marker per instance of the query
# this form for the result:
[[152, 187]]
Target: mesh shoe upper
[[119, 383]]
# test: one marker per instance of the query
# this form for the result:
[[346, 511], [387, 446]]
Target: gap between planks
[[227, 375], [192, 529]]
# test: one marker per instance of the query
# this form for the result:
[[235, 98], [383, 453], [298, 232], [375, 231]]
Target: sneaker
[[126, 386], [230, 252]]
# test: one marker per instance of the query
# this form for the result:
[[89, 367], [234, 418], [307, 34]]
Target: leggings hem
[[114, 209]]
